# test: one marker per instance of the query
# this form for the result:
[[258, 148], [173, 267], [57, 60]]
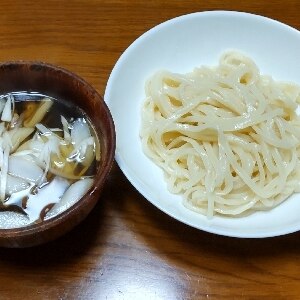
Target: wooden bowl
[[61, 84]]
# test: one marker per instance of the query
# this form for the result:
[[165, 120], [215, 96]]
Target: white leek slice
[[18, 197], [16, 121], [23, 153], [6, 140], [2, 128], [18, 135], [80, 131], [4, 169], [7, 110], [19, 166], [80, 149], [39, 114], [43, 129], [2, 104], [48, 194], [1, 157], [67, 136], [35, 144], [50, 146], [15, 184], [75, 192]]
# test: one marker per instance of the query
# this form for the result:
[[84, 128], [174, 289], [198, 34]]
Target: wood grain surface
[[127, 248]]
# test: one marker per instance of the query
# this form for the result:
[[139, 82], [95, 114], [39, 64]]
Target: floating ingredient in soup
[[47, 150]]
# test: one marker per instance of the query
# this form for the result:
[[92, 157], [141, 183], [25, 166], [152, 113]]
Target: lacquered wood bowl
[[60, 84]]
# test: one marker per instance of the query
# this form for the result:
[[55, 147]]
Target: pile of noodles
[[227, 138]]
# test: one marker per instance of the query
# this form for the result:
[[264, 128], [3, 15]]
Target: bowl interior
[[60, 84]]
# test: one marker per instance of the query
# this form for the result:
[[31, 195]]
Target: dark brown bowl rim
[[100, 175]]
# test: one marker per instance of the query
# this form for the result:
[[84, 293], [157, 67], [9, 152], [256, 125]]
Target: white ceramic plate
[[179, 45]]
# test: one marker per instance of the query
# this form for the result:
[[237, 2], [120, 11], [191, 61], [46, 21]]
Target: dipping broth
[[49, 154]]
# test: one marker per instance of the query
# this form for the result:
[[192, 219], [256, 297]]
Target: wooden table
[[127, 248]]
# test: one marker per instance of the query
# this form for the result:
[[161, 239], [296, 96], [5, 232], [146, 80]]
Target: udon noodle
[[226, 137]]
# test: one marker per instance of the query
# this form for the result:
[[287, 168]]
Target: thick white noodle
[[227, 138]]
